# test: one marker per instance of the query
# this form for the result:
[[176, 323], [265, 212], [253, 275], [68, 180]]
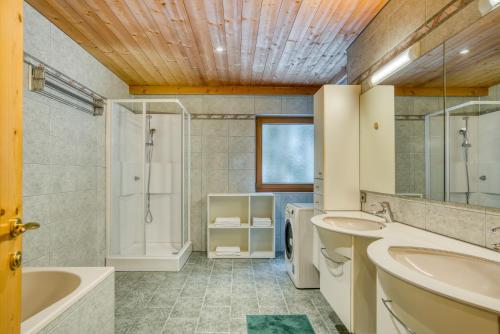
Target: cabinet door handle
[[386, 303], [325, 254]]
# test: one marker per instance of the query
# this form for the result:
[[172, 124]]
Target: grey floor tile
[[242, 264], [180, 326], [210, 296], [187, 308], [302, 307], [163, 297], [175, 282], [276, 300], [150, 321], [240, 307], [218, 297], [194, 290], [123, 324], [244, 289], [238, 326], [268, 310], [214, 319]]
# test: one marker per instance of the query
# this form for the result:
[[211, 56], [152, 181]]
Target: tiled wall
[[93, 313], [282, 199], [410, 139], [468, 223], [64, 156], [223, 151]]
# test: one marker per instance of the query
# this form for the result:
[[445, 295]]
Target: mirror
[[447, 119]]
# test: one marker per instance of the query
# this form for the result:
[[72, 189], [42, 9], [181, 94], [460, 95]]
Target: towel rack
[[49, 82]]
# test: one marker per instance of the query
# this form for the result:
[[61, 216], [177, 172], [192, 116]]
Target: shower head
[[465, 133], [150, 142]]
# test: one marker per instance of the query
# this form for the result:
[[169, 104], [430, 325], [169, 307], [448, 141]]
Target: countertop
[[401, 235]]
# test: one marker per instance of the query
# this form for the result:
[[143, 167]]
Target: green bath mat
[[279, 324]]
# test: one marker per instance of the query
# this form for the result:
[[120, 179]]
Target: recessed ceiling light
[[464, 51], [219, 49]]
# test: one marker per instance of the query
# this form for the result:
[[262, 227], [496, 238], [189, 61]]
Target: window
[[285, 154]]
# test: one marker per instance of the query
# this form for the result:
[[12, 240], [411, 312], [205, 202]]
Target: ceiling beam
[[223, 90], [436, 91]]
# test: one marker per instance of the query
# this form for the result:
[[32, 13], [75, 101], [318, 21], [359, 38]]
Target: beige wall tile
[[456, 223], [242, 105], [196, 144], [412, 213], [241, 160], [196, 127], [296, 105], [215, 128], [193, 103], [214, 181], [242, 128], [242, 144], [215, 144], [409, 17], [213, 161], [195, 185], [196, 160], [241, 181], [267, 105], [492, 220]]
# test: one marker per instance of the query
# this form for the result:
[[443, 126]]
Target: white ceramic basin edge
[[453, 274]]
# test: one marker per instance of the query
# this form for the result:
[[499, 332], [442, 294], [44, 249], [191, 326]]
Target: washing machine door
[[289, 239]]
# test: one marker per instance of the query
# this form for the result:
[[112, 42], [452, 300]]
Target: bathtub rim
[[90, 278]]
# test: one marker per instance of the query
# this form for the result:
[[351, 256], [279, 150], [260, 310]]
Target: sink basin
[[355, 224], [463, 271]]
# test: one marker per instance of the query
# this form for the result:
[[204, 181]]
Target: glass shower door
[[186, 176], [127, 175], [163, 182]]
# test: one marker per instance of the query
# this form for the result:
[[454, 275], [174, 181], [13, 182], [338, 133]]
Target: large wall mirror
[[447, 119]]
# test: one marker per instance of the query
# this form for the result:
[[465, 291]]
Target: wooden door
[[11, 96]]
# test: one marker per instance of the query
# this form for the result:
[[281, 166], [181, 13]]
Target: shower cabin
[[148, 184], [461, 153]]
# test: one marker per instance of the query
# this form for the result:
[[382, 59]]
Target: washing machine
[[298, 245]]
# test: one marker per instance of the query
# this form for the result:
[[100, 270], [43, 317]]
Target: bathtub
[[68, 300]]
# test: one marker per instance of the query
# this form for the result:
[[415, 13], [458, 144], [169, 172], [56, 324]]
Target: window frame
[[277, 187]]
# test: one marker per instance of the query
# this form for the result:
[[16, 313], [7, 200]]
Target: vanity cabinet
[[316, 243], [348, 280], [404, 308], [336, 274], [336, 148]]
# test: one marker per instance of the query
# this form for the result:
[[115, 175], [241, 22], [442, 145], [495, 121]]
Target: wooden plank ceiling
[[187, 43]]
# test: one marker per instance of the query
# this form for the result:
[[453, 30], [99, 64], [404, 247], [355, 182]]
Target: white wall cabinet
[[336, 148], [377, 140], [254, 241]]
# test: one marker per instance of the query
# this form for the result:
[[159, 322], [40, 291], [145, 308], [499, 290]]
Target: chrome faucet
[[495, 245], [385, 212]]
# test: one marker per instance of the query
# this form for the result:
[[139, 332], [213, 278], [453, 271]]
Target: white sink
[[463, 271], [355, 224]]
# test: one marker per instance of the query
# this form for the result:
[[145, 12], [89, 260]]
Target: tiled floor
[[214, 296]]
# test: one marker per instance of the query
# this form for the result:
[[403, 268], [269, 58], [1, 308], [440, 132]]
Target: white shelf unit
[[254, 241]]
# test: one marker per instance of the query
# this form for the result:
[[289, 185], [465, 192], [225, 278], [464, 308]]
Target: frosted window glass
[[287, 153]]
